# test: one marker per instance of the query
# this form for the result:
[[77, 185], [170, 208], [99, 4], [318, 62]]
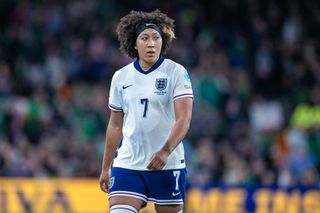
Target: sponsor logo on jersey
[[125, 87]]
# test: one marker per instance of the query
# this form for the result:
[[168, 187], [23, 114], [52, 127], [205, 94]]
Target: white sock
[[123, 209]]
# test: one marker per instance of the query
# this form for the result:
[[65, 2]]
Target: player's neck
[[146, 65]]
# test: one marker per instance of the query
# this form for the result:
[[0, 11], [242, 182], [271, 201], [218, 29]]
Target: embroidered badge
[[186, 76], [111, 182], [161, 84]]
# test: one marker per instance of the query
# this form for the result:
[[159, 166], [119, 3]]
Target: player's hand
[[104, 180], [158, 160]]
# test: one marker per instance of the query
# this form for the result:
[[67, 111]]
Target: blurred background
[[254, 66]]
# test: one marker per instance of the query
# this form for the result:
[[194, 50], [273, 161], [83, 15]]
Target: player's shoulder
[[123, 71], [174, 66]]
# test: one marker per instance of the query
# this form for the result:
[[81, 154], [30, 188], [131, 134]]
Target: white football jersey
[[147, 100]]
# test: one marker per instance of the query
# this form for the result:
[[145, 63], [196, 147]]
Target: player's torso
[[147, 95], [148, 106]]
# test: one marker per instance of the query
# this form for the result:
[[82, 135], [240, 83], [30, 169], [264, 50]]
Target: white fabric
[[123, 209], [131, 90]]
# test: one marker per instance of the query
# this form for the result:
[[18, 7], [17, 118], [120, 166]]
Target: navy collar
[[154, 67]]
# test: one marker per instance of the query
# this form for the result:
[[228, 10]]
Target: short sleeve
[[114, 95], [183, 87]]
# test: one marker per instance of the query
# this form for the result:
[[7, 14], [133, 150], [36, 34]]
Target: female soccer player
[[151, 107]]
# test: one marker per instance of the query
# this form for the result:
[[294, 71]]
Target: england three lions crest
[[161, 84]]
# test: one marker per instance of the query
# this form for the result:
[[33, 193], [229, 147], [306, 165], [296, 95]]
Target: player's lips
[[151, 52]]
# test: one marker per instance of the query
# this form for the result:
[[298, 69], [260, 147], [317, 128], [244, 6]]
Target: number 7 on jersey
[[144, 101]]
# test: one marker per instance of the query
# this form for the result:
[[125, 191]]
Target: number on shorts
[[177, 175]]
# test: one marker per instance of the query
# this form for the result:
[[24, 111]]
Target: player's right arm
[[113, 137]]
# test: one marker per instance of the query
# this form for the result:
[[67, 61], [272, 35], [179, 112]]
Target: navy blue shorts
[[165, 187]]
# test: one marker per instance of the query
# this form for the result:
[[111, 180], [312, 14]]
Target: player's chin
[[151, 58]]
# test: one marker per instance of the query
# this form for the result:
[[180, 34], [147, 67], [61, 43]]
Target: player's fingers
[[159, 164], [104, 186], [162, 164], [101, 186], [156, 164], [150, 166], [151, 163]]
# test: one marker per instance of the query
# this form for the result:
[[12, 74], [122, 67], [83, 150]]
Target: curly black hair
[[126, 30]]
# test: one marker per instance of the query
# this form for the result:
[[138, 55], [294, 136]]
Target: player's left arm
[[183, 114]]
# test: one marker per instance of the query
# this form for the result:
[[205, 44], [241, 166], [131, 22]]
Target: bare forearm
[[159, 159], [113, 137], [183, 112], [179, 131]]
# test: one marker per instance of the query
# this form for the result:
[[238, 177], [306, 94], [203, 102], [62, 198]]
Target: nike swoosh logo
[[125, 87], [175, 194]]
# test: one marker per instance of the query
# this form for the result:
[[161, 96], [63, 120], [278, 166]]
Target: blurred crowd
[[254, 65]]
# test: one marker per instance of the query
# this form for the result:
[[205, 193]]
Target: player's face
[[148, 45]]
